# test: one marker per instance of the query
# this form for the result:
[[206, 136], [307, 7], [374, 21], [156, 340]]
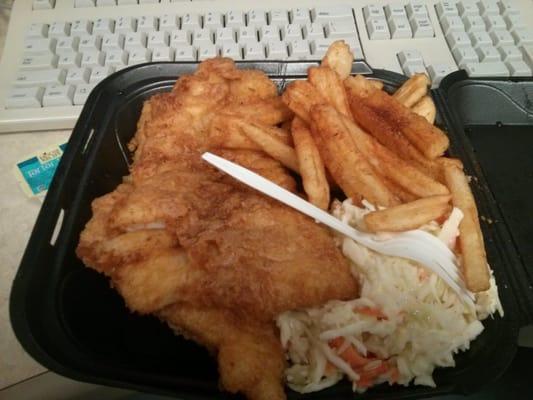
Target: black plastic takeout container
[[69, 319]]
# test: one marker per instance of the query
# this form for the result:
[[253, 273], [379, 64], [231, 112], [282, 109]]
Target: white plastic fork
[[416, 245]]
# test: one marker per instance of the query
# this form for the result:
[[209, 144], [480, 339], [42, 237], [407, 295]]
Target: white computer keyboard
[[58, 50]]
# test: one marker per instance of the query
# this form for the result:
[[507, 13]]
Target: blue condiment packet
[[35, 172]]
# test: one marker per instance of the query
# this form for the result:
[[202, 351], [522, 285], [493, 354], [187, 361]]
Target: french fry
[[398, 191], [300, 97], [412, 90], [224, 134], [475, 269], [327, 82], [409, 215], [389, 136], [377, 84], [427, 138], [345, 162], [273, 111], [426, 108], [312, 168], [339, 58], [270, 144], [392, 166]]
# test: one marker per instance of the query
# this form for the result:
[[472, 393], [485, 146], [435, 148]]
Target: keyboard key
[[40, 77], [179, 37], [185, 53], [527, 52], [451, 23], [254, 51], [400, 28], [191, 21], [501, 37], [510, 53], [69, 60], [411, 69], [421, 27], [92, 58], [467, 8], [158, 39], [514, 22], [487, 7], [125, 24], [416, 9], [162, 54], [139, 56], [117, 58], [59, 29], [487, 53], [291, 32], [98, 74], [84, 3], [202, 37], [231, 50], [44, 61], [278, 17], [473, 23], [134, 40], [235, 19], [457, 39], [373, 11], [76, 76], [480, 39], [410, 57], [147, 24], [213, 20], [518, 68], [377, 29], [464, 55], [103, 26], [256, 18], [30, 97], [43, 4], [446, 9], [438, 71], [487, 69], [340, 28], [299, 16], [268, 33], [298, 48], [320, 46], [39, 46], [168, 22], [112, 41], [127, 2], [106, 3], [326, 13], [37, 31], [313, 30], [508, 8], [207, 51], [395, 11], [89, 43], [494, 22], [276, 50], [82, 92], [81, 27], [522, 36]]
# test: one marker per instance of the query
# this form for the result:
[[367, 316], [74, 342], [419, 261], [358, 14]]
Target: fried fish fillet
[[211, 257]]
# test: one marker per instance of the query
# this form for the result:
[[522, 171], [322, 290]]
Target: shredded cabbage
[[405, 323]]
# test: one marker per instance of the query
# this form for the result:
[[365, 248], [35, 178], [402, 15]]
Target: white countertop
[[17, 216]]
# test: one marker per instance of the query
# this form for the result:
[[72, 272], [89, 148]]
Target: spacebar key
[[486, 69]]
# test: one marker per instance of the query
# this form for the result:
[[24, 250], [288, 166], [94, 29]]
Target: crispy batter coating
[[214, 259]]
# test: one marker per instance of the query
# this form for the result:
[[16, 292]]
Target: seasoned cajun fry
[[300, 96], [427, 138], [426, 108], [312, 168], [475, 268], [392, 166], [443, 161], [390, 137], [271, 145], [412, 90], [409, 215], [398, 191], [224, 134], [345, 162], [273, 111], [327, 82], [339, 58], [377, 84]]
